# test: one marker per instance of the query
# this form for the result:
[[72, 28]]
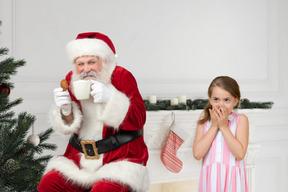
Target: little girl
[[222, 139]]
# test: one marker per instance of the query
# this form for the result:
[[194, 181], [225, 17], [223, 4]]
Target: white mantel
[[156, 131]]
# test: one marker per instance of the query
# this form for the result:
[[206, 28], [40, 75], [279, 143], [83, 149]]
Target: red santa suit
[[124, 110]]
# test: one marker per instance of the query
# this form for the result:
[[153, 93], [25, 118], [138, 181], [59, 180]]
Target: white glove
[[100, 92], [63, 100]]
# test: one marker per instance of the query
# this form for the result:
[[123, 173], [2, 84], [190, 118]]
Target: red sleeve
[[125, 82]]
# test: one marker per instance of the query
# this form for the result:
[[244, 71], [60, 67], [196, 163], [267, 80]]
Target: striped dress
[[221, 172]]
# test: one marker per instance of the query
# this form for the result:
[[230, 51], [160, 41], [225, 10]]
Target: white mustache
[[90, 73]]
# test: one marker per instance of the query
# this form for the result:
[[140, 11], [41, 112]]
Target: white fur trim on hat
[[88, 47], [60, 125]]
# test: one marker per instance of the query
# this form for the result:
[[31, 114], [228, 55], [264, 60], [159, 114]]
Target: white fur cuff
[[60, 125], [180, 130], [116, 108]]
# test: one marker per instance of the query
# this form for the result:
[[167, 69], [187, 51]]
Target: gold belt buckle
[[95, 149]]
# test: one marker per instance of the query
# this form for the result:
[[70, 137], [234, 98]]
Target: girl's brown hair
[[227, 83]]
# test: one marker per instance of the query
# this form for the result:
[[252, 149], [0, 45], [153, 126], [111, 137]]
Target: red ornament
[[5, 87]]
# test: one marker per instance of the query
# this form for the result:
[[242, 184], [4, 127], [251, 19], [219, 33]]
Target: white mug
[[82, 89]]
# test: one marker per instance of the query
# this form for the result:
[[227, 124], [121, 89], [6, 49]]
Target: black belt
[[92, 148]]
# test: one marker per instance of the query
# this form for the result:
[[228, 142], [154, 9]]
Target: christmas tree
[[21, 163]]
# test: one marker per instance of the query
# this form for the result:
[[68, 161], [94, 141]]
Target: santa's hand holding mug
[[104, 113], [100, 92]]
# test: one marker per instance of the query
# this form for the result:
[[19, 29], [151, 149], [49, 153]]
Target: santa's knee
[[108, 186], [52, 181]]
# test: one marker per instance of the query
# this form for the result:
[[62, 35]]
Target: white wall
[[172, 48]]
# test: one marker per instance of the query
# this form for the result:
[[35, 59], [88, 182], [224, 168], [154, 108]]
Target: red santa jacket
[[125, 110]]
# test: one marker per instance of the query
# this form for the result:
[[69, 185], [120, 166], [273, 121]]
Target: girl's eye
[[227, 100], [216, 100]]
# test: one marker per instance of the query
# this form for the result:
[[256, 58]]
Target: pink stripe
[[236, 122], [226, 153], [204, 160], [233, 177], [200, 185], [213, 152], [227, 178], [218, 177], [246, 184], [208, 178]]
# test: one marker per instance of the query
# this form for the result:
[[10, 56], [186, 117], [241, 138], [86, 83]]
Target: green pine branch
[[4, 51], [6, 105], [8, 68]]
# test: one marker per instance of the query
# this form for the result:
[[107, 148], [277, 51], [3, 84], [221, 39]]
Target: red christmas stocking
[[176, 138]]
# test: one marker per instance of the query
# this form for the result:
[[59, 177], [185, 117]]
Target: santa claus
[[106, 151]]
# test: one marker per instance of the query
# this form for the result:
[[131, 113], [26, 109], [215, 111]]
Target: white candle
[[182, 99], [174, 101], [152, 99]]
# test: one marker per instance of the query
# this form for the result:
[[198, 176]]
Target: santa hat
[[91, 43]]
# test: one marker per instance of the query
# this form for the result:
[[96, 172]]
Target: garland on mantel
[[200, 104]]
